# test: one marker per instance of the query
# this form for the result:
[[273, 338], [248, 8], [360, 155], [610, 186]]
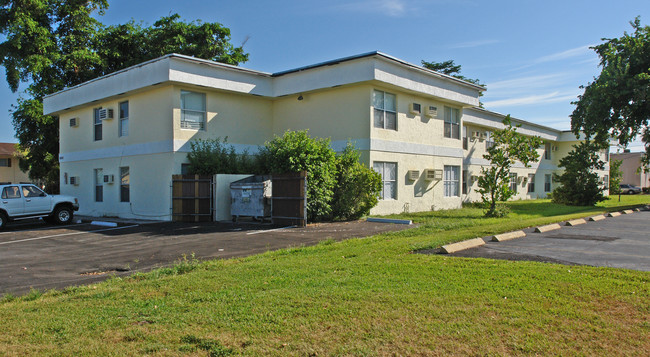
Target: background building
[[633, 174], [9, 170]]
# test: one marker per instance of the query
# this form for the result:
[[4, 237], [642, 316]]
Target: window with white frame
[[99, 185], [465, 139], [547, 151], [452, 123], [531, 183], [388, 172], [193, 112], [489, 140], [465, 182], [97, 124], [124, 119], [606, 181], [125, 184], [547, 183], [452, 181], [385, 110], [513, 182]]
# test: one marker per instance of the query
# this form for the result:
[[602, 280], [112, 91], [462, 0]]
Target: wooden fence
[[290, 199], [191, 198]]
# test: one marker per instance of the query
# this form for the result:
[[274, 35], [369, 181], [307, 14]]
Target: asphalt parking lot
[[619, 242], [40, 256]]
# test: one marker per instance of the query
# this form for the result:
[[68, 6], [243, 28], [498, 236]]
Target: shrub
[[213, 156], [357, 186], [296, 151]]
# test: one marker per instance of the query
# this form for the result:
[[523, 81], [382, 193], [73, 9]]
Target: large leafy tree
[[53, 44], [579, 182], [509, 147], [617, 102]]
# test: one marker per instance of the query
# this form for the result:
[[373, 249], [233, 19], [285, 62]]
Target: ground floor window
[[547, 183], [99, 185], [465, 182], [452, 181], [513, 182], [125, 184], [531, 183], [388, 172]]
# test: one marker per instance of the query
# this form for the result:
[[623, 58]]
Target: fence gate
[[290, 199], [191, 198]]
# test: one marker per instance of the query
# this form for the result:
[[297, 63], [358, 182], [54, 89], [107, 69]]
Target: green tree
[[451, 69], [617, 102], [296, 151], [579, 182], [53, 44], [357, 186], [615, 177], [509, 147]]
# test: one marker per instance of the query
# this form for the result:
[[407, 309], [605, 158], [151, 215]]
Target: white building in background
[[125, 134]]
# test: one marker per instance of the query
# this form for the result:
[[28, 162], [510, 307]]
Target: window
[[185, 169], [5, 162], [513, 182], [452, 181], [547, 183], [452, 123], [98, 124], [465, 182], [192, 110], [606, 181], [32, 191], [385, 111], [125, 178], [124, 119], [388, 172], [531, 183], [547, 151], [10, 192], [465, 139], [489, 140], [99, 185]]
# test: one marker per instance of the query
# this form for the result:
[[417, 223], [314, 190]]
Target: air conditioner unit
[[476, 135], [482, 136], [413, 175], [74, 122], [415, 108], [524, 179], [473, 178], [105, 114], [432, 111], [433, 174], [109, 179], [74, 180], [554, 148]]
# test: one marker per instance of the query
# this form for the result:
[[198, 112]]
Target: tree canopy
[[617, 102], [451, 69], [579, 182], [53, 44]]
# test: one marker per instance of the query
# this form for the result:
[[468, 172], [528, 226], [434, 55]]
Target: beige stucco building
[[633, 174], [9, 170], [125, 134]]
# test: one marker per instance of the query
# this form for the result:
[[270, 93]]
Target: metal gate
[[191, 198], [290, 199]]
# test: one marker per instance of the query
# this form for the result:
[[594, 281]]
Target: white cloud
[[574, 52], [472, 44], [553, 97], [394, 8], [527, 82]]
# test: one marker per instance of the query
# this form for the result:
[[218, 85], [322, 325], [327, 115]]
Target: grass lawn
[[368, 296]]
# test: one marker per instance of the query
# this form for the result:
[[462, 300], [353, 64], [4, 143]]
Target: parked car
[[629, 189], [24, 200]]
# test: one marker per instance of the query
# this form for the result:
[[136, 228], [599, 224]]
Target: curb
[[456, 247], [627, 211], [613, 214], [508, 236], [599, 217], [387, 220], [576, 222], [548, 227]]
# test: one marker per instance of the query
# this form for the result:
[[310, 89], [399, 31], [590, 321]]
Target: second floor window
[[98, 124], [547, 151], [193, 112], [124, 119], [385, 110], [452, 123], [489, 140]]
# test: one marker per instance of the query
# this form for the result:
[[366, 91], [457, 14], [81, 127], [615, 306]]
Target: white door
[[36, 201], [12, 201]]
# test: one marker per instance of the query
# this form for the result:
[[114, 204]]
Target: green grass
[[368, 296]]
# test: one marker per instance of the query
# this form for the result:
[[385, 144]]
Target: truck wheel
[[3, 220], [63, 215]]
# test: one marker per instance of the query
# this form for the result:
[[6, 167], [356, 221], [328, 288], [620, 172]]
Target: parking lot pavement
[[40, 256], [620, 242]]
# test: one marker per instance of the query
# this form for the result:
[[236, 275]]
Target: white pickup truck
[[24, 200]]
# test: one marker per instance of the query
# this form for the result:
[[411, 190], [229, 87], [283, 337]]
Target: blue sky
[[532, 55]]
